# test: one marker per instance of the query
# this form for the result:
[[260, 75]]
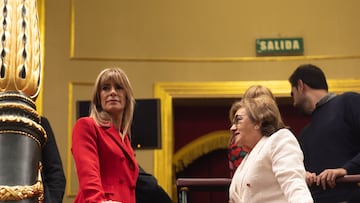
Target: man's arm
[[52, 171]]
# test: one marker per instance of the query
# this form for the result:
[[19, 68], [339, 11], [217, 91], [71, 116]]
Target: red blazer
[[106, 165]]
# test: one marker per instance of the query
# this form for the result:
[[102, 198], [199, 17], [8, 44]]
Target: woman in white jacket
[[273, 172]]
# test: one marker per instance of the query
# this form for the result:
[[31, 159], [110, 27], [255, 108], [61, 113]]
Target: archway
[[163, 158]]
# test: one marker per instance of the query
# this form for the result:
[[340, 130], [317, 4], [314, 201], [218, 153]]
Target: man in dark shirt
[[331, 141]]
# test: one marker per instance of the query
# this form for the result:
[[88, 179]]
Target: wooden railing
[[184, 185]]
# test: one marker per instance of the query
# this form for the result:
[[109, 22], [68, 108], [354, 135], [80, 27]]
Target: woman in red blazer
[[105, 162]]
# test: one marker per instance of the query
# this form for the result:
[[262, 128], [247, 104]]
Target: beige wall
[[181, 41]]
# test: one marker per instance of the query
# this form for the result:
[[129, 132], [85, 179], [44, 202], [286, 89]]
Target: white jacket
[[273, 172]]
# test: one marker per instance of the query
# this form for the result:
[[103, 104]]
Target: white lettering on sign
[[279, 45]]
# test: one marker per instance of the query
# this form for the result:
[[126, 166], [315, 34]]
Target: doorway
[[166, 92]]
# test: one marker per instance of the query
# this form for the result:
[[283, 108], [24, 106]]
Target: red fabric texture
[[106, 165], [235, 155]]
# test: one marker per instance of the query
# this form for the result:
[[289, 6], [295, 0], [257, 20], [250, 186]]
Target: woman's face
[[112, 98], [244, 131]]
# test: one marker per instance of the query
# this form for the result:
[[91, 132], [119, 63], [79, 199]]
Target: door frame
[[167, 91]]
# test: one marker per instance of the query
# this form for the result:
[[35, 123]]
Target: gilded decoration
[[21, 133]]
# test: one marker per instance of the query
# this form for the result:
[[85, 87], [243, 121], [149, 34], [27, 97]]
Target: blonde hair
[[101, 117], [257, 90], [252, 92], [264, 111]]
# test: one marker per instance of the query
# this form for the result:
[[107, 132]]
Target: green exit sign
[[279, 46]]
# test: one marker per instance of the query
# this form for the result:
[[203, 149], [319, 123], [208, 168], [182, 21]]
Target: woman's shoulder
[[283, 133], [85, 120], [90, 122], [282, 139]]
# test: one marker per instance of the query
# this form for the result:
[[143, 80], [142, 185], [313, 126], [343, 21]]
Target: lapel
[[125, 145], [252, 156], [242, 172]]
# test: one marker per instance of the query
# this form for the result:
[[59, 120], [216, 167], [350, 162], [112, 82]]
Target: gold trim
[[16, 94], [28, 122], [20, 48], [199, 147], [19, 192], [23, 107], [72, 29], [167, 91], [205, 59], [22, 133], [41, 15], [71, 85], [163, 164], [191, 59], [70, 121]]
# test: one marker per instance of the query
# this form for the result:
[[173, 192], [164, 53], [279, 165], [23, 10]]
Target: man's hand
[[328, 177], [310, 178]]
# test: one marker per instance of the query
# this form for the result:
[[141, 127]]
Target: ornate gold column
[[21, 133]]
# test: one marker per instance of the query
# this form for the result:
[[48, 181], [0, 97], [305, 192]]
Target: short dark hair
[[311, 75]]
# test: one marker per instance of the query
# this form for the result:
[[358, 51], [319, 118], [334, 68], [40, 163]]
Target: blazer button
[[131, 166]]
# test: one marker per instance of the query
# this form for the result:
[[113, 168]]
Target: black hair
[[311, 75]]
